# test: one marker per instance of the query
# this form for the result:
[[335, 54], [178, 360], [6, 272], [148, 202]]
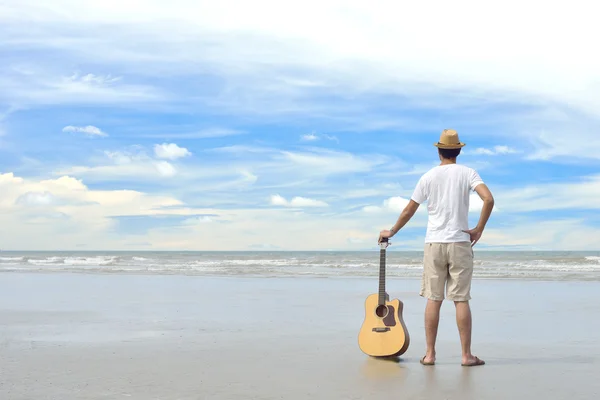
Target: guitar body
[[383, 332]]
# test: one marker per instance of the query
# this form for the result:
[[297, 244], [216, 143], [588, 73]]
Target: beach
[[142, 336]]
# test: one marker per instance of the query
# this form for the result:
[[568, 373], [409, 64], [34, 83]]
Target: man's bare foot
[[472, 361], [428, 360]]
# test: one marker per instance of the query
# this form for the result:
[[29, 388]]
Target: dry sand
[[73, 336]]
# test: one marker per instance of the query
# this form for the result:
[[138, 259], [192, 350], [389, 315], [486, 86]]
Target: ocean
[[553, 265]]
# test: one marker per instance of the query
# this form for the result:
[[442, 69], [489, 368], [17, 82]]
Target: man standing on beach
[[448, 258]]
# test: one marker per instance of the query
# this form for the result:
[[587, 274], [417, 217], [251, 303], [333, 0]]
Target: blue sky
[[203, 126]]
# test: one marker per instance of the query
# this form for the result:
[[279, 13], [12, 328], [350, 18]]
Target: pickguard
[[389, 319]]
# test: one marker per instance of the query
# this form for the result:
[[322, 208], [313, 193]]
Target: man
[[448, 257]]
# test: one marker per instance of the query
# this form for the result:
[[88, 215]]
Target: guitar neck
[[382, 276]]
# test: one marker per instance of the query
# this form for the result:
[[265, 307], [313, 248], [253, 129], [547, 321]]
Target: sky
[[269, 125]]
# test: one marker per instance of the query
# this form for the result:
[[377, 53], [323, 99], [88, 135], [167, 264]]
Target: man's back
[[446, 188]]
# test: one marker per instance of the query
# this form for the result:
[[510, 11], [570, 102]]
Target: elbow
[[489, 201]]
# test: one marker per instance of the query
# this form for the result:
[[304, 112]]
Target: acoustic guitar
[[383, 332]]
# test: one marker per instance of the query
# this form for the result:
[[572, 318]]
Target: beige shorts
[[448, 265]]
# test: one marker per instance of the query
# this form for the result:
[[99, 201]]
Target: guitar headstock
[[384, 243]]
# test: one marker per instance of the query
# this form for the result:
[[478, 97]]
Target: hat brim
[[449, 146]]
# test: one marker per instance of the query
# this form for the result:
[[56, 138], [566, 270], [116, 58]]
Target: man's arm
[[488, 205], [405, 216]]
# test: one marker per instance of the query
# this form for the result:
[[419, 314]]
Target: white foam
[[97, 260], [508, 265], [45, 261], [11, 258]]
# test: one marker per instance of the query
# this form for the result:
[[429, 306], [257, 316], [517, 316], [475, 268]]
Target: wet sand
[[79, 336]]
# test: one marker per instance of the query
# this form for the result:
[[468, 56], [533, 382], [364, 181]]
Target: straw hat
[[449, 140]]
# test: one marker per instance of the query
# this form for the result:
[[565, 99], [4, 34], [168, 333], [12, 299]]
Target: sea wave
[[74, 261], [9, 259], [507, 265]]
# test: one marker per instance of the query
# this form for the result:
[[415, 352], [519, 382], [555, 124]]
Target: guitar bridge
[[380, 330]]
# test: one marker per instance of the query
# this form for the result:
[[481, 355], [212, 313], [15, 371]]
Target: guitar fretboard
[[381, 276]]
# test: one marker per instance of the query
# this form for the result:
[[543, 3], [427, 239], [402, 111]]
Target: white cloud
[[495, 151], [299, 202], [393, 204], [94, 79], [278, 200], [33, 86], [36, 198], [330, 137], [165, 169], [148, 170], [550, 234], [226, 174], [31, 207], [267, 64], [89, 130], [581, 194], [243, 149], [258, 50], [170, 151], [283, 168], [202, 134], [121, 157], [249, 177], [321, 161], [123, 165], [309, 137], [563, 139], [86, 216], [204, 219], [372, 209], [3, 116], [396, 204]]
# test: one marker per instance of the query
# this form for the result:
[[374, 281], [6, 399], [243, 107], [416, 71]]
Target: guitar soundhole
[[381, 311]]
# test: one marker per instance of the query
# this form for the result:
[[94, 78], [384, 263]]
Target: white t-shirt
[[446, 188]]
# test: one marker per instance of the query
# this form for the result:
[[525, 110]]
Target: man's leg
[[432, 287], [432, 320], [465, 324], [459, 290]]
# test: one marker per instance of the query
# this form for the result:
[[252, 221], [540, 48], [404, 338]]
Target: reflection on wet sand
[[426, 382], [383, 369], [465, 380]]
